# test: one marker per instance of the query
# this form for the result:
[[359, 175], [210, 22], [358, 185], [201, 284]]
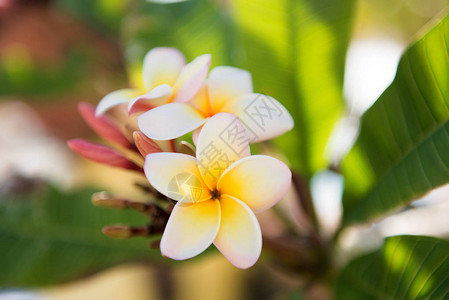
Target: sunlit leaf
[[407, 267], [403, 148]]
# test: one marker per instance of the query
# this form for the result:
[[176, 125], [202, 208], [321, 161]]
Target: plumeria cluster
[[217, 185]]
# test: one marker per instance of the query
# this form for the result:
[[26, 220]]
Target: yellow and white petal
[[259, 180], [176, 176], [239, 238], [191, 78], [224, 83], [201, 101], [162, 65], [191, 229], [158, 96], [170, 121], [116, 98], [263, 116], [221, 142]]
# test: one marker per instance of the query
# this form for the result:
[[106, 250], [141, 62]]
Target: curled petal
[[239, 238], [162, 65], [170, 121], [176, 176], [116, 98], [103, 125], [224, 83], [191, 229], [263, 116], [144, 144], [101, 154], [260, 181], [157, 96], [191, 78], [221, 142]]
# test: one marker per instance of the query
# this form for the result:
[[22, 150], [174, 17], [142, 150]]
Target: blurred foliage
[[195, 27], [52, 237], [401, 152], [21, 76], [407, 267], [104, 15]]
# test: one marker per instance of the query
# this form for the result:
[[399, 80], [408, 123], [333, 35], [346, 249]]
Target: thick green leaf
[[295, 51], [403, 148], [55, 237], [407, 267]]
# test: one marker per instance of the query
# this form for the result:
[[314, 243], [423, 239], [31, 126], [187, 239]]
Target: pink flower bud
[[103, 126], [101, 154], [145, 144]]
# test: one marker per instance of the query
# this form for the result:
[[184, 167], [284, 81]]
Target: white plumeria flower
[[227, 89], [218, 193], [166, 78]]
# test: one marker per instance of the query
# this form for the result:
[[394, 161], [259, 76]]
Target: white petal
[[225, 82], [162, 65], [221, 142], [169, 121], [176, 176], [259, 180], [115, 98], [262, 116], [156, 97], [191, 229], [239, 237], [191, 78]]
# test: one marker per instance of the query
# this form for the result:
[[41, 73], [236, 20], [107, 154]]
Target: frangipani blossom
[[218, 193], [227, 89], [166, 78]]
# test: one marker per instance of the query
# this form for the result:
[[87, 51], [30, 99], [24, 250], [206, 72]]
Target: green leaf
[[295, 51], [55, 237], [407, 267], [403, 148]]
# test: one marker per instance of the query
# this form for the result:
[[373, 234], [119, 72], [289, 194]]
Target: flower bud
[[101, 154], [144, 144], [117, 231], [103, 126]]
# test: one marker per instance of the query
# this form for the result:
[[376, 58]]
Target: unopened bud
[[117, 231], [102, 154], [124, 232], [104, 199], [144, 144], [103, 125]]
